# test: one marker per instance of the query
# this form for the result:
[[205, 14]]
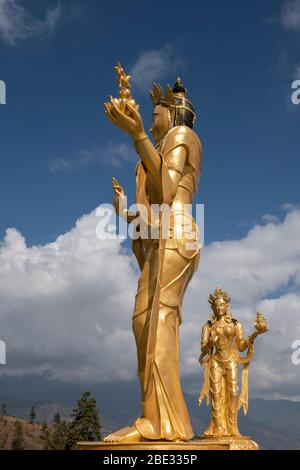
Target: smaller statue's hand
[[260, 324], [129, 121]]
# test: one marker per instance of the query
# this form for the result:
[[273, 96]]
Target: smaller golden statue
[[222, 340]]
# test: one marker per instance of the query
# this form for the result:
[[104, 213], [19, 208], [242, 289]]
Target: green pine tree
[[45, 436], [57, 418], [18, 438], [58, 439], [32, 415], [85, 425], [3, 440]]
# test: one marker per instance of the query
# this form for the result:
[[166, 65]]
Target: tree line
[[84, 425]]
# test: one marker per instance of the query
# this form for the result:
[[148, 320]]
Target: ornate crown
[[218, 294], [175, 97]]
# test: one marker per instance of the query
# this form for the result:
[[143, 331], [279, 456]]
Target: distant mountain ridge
[[273, 424]]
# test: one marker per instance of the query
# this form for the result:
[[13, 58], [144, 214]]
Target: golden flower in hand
[[260, 323]]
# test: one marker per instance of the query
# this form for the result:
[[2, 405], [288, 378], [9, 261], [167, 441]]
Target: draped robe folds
[[167, 266]]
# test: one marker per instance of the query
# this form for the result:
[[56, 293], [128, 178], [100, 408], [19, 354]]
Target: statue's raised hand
[[119, 201], [129, 121]]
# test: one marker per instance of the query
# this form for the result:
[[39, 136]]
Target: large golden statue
[[167, 174], [222, 340]]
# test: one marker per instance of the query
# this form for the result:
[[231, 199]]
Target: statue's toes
[[121, 435]]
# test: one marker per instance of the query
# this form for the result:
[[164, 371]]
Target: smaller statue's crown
[[218, 294]]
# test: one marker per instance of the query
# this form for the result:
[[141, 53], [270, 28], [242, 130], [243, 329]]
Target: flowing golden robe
[[167, 266]]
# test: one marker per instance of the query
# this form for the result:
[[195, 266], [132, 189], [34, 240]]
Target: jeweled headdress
[[176, 98], [218, 294]]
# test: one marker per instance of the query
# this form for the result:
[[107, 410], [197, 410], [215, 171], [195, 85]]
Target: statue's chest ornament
[[222, 333]]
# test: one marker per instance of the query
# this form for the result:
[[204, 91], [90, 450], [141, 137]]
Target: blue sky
[[66, 300], [237, 59]]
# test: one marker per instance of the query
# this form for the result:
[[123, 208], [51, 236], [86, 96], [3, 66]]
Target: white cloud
[[290, 15], [113, 154], [16, 23], [288, 207], [262, 273], [85, 158], [270, 218], [117, 154], [155, 65], [66, 306]]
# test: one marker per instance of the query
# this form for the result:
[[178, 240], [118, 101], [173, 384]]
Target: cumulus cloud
[[290, 15], [270, 218], [155, 65], [17, 24], [262, 273], [66, 307]]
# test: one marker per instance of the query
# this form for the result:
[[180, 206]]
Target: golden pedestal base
[[205, 443]]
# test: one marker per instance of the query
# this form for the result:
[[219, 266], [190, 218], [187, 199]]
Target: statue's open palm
[[129, 122]]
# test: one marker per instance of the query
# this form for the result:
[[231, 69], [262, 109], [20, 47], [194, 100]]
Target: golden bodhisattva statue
[[167, 173], [222, 341]]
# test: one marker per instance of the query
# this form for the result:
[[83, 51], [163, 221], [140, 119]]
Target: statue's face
[[160, 122], [220, 308]]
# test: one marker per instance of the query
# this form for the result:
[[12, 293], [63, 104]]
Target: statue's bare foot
[[128, 434], [218, 433]]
